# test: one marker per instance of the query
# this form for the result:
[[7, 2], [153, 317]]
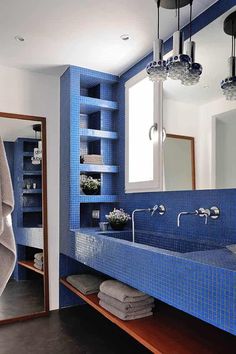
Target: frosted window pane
[[140, 120]]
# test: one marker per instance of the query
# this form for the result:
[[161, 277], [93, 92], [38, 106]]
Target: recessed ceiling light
[[125, 37], [19, 38]]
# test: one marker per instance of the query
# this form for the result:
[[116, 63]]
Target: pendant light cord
[[158, 18], [190, 20]]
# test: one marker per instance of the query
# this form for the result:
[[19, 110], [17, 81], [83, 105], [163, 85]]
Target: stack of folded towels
[[85, 283], [38, 261], [92, 159], [125, 302]]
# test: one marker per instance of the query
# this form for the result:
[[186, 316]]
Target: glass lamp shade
[[228, 87], [178, 66], [156, 70], [192, 75]]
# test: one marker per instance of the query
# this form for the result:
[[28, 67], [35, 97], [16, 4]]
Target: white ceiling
[[82, 32], [213, 48], [11, 129]]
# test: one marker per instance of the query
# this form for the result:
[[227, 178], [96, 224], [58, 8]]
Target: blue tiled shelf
[[93, 134], [32, 173], [98, 168], [90, 105], [32, 191], [98, 198], [31, 209]]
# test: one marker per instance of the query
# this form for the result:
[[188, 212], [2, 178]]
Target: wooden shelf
[[30, 265], [168, 331]]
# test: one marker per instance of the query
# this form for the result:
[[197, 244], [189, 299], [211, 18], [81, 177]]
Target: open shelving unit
[[91, 130]]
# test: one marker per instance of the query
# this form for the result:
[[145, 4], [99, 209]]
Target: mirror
[[202, 112], [23, 215]]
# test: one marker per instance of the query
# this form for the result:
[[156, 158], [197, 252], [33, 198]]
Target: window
[[142, 155]]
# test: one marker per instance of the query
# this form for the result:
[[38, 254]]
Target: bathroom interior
[[120, 167]]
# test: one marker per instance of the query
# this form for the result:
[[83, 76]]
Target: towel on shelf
[[127, 307], [39, 263], [85, 283], [92, 159], [7, 240], [126, 316], [122, 292], [39, 256], [38, 266]]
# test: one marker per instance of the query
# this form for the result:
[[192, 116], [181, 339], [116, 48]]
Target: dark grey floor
[[21, 298], [79, 330]]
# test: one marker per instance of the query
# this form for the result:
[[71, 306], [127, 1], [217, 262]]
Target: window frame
[[156, 184]]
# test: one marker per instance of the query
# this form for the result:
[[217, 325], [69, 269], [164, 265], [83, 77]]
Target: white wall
[[25, 92]]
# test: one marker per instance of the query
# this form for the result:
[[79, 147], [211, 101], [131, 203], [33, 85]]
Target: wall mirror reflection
[[179, 162], [23, 227], [202, 112]]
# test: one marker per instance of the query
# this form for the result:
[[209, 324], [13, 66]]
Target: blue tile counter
[[202, 283], [30, 236]]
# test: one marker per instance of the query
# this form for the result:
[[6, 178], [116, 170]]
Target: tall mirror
[[202, 112], [23, 218]]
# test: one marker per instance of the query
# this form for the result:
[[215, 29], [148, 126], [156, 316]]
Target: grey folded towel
[[39, 263], [39, 256], [127, 307], [86, 283], [125, 316], [122, 292], [40, 267]]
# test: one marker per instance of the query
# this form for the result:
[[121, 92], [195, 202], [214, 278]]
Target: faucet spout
[[185, 213]]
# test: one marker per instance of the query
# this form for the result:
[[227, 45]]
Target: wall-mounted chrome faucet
[[160, 209], [213, 213]]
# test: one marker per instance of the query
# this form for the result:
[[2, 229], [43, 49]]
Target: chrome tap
[[160, 209], [213, 213]]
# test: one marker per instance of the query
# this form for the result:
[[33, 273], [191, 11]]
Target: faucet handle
[[158, 208]]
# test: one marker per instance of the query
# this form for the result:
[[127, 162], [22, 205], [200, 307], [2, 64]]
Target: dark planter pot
[[117, 226], [90, 191]]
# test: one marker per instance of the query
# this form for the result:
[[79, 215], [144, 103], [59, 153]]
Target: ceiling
[[213, 48], [82, 32], [11, 129]]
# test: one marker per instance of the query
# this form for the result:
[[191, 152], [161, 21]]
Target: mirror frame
[[193, 165], [45, 312]]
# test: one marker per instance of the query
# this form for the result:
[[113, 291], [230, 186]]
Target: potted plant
[[90, 185], [118, 219]]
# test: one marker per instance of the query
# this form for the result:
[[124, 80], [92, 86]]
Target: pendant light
[[179, 63], [192, 75], [228, 85], [156, 69]]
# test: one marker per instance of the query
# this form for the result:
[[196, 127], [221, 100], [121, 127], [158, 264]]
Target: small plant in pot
[[118, 219], [90, 185]]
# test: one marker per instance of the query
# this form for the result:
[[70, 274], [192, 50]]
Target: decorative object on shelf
[[36, 159], [118, 219], [90, 185], [91, 159], [156, 69], [103, 225], [34, 185], [28, 186], [228, 85], [179, 66]]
